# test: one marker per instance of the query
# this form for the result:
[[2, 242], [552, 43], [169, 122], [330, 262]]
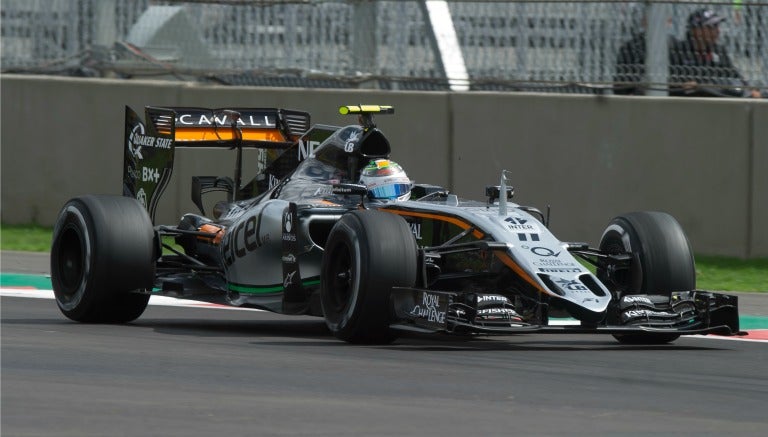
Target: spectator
[[630, 59], [629, 77], [699, 66], [630, 67]]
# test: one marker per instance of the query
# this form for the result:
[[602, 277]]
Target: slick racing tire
[[367, 253], [661, 261], [103, 251]]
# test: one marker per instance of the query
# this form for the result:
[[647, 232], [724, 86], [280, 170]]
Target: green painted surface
[[753, 322], [19, 280], [255, 290]]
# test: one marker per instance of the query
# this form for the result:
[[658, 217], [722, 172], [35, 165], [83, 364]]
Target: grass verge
[[712, 272]]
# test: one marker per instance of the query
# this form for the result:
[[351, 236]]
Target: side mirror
[[493, 193]]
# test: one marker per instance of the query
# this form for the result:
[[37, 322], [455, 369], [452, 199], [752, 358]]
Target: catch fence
[[545, 45]]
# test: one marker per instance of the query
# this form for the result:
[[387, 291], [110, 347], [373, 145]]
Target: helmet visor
[[389, 191]]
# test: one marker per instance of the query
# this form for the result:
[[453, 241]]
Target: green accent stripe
[[266, 289], [19, 280], [753, 322], [250, 289]]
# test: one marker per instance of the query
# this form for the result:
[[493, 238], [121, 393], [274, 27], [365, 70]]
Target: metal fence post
[[657, 52], [106, 23], [364, 50]]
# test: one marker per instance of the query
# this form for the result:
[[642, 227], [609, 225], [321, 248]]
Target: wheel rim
[[71, 260], [340, 279]]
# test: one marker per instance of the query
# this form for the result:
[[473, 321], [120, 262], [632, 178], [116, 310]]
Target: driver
[[386, 180]]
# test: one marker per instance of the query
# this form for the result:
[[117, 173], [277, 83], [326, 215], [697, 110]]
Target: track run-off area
[[201, 369]]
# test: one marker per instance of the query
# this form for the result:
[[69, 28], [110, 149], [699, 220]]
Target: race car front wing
[[684, 313]]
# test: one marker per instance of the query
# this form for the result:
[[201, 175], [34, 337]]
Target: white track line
[[154, 300]]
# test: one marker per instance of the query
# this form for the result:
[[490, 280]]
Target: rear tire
[[662, 261], [103, 249], [367, 253]]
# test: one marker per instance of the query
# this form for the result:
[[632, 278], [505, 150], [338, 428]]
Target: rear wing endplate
[[148, 156]]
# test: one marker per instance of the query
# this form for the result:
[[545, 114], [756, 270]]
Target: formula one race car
[[331, 227]]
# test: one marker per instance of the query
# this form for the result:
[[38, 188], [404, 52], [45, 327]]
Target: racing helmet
[[386, 180]]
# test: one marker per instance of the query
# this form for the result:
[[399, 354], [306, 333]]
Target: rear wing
[[150, 146], [267, 128]]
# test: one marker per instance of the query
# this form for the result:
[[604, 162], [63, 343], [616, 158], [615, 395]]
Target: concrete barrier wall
[[593, 159], [590, 158], [758, 232], [63, 137]]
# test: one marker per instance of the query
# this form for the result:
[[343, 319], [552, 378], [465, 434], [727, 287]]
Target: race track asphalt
[[205, 372]]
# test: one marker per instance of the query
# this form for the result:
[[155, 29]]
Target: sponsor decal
[[325, 190], [288, 281], [342, 190], [429, 309], [349, 147], [142, 140], [148, 141], [492, 298], [138, 139], [637, 299], [648, 313], [135, 140], [566, 270], [572, 285], [141, 196], [163, 143], [288, 227], [495, 311], [223, 120], [307, 149], [289, 258], [552, 262], [498, 314], [242, 239], [544, 251], [520, 225], [149, 174], [132, 173], [416, 230], [287, 221]]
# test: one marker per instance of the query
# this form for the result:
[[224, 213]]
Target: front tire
[[103, 249], [367, 253], [661, 261]]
